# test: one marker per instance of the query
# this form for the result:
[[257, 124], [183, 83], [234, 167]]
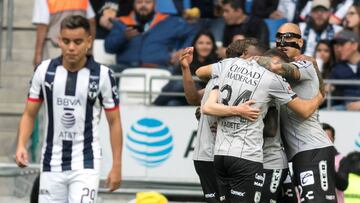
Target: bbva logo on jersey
[[149, 142]]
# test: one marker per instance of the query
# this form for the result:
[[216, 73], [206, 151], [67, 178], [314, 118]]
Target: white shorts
[[69, 186]]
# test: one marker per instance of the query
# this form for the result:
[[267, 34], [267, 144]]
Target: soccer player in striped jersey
[[74, 89]]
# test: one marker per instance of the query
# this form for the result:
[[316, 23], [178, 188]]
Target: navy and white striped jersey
[[73, 102]]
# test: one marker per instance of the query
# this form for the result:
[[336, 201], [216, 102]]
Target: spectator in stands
[[47, 16], [210, 17], [317, 26], [147, 38], [204, 50], [341, 8], [285, 9], [105, 12], [325, 57], [263, 9], [352, 167], [204, 54], [338, 9], [341, 179], [125, 7], [238, 22], [347, 46], [290, 10], [352, 19]]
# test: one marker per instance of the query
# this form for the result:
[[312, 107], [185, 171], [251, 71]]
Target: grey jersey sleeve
[[280, 90], [306, 69], [217, 68]]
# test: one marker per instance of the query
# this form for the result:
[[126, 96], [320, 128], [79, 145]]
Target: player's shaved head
[[288, 38], [290, 27]]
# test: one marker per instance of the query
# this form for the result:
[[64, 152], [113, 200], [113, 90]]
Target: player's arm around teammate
[[243, 110], [290, 70], [303, 108], [204, 72], [114, 176], [212, 107]]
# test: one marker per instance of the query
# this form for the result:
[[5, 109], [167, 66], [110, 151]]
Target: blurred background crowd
[[150, 34]]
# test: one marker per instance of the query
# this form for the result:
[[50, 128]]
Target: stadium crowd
[[150, 34]]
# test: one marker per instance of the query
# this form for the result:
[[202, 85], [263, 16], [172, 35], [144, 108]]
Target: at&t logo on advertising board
[[149, 142]]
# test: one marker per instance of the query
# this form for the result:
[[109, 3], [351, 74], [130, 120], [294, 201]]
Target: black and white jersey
[[73, 102]]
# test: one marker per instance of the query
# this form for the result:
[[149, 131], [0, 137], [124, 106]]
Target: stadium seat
[[169, 7], [273, 25], [138, 82]]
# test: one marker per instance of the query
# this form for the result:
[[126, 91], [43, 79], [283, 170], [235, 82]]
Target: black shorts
[[289, 191], [272, 189], [242, 178], [208, 181], [314, 175]]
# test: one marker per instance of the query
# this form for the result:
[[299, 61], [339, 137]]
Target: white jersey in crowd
[[73, 102], [240, 81], [311, 38], [303, 134]]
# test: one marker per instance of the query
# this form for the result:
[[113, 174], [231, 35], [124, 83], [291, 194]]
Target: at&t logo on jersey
[[68, 119], [150, 142]]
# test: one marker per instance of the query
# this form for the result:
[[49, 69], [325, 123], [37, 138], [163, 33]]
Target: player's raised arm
[[192, 95], [212, 107]]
